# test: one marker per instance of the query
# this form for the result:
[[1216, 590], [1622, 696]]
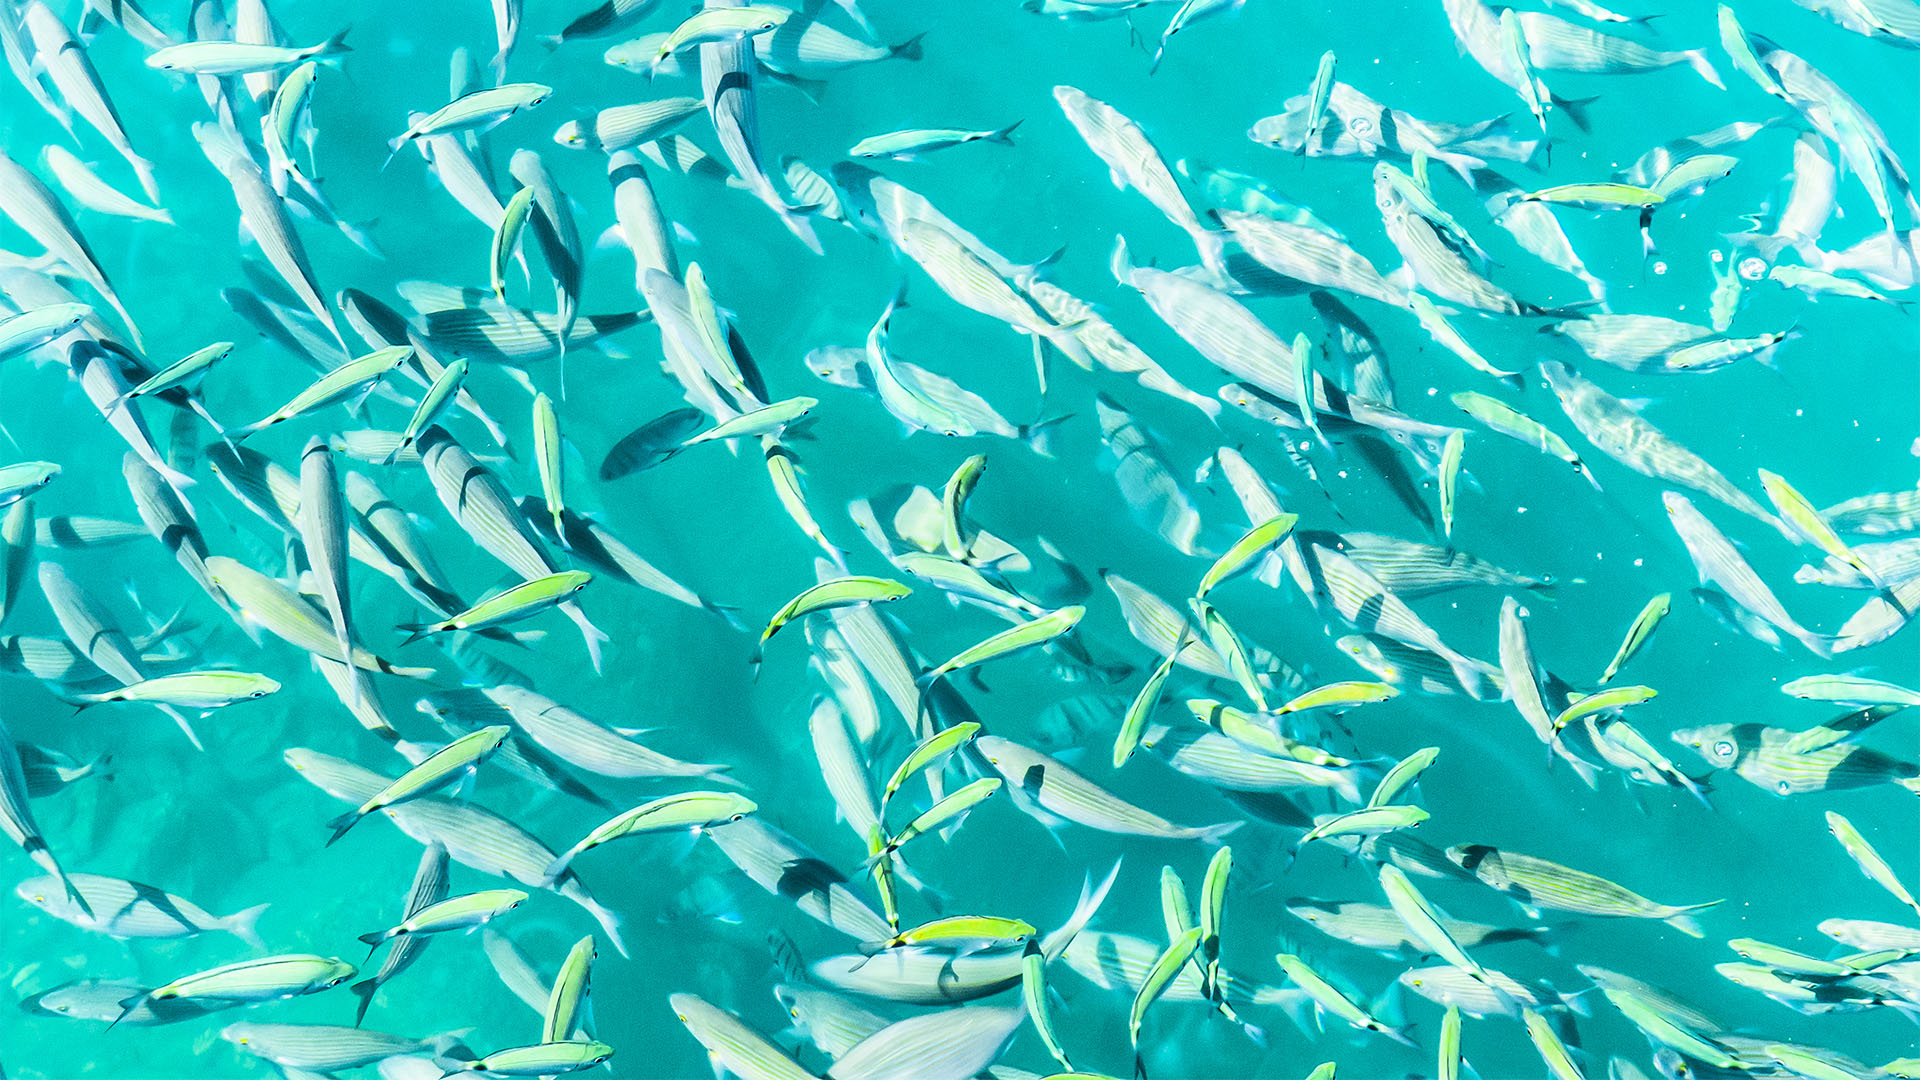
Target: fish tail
[[185, 726], [374, 939], [1091, 897], [341, 824], [241, 925], [1005, 134], [557, 867], [72, 892], [1039, 435], [1683, 921], [609, 922], [143, 169], [589, 633], [334, 45], [364, 990], [909, 49], [1697, 60]]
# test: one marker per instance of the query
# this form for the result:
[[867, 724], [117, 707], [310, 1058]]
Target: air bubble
[[1660, 268], [1753, 268]]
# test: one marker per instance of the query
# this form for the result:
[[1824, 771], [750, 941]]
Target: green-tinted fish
[[930, 749], [1033, 993], [1402, 775], [1340, 695], [1367, 821], [522, 601], [1869, 860], [175, 374], [1252, 544], [1159, 977], [1851, 690], [1559, 1060], [448, 766], [828, 595], [1638, 634], [1450, 455], [566, 1004], [1231, 649], [268, 978], [1328, 997], [337, 385], [465, 913], [191, 689], [506, 239], [1797, 512], [544, 1059], [953, 506], [1027, 635], [767, 419], [933, 817], [721, 24], [1448, 1047], [440, 394], [23, 479], [1426, 923], [1447, 337], [1134, 722], [1600, 702], [952, 929], [687, 810]]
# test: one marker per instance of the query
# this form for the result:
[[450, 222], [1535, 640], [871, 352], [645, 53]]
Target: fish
[[1052, 793], [446, 767], [911, 144], [1539, 883]]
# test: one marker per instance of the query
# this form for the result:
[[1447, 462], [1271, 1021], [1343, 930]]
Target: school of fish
[[893, 782]]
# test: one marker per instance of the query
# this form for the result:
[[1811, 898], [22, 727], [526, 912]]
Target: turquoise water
[[232, 827]]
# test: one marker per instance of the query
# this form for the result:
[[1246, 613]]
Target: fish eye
[[1360, 125], [1724, 748], [736, 817], [39, 899], [1784, 788], [258, 694]]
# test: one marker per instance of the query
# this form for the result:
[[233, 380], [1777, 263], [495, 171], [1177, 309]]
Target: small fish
[[465, 913], [1869, 860], [1450, 477], [354, 376], [1539, 883], [688, 810], [543, 1059], [240, 58], [910, 144], [267, 978], [827, 596], [522, 601], [719, 25], [203, 690], [478, 111], [1639, 632], [446, 767], [1318, 95]]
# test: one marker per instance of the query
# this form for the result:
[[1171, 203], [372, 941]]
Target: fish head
[[1717, 743]]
